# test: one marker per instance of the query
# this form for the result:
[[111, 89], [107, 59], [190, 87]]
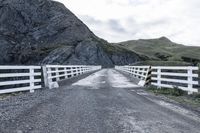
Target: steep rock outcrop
[[91, 52]]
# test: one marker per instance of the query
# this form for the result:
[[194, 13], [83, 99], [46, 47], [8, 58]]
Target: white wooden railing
[[12, 78], [185, 78], [140, 72], [170, 77], [23, 78], [56, 73]]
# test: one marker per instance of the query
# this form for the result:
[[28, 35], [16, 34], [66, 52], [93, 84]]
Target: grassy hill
[[162, 49]]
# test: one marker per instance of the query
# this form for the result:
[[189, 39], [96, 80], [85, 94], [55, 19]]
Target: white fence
[[23, 78], [140, 72], [184, 78], [56, 73], [19, 78]]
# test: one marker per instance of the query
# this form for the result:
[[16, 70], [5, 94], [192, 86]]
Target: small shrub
[[178, 92], [196, 95]]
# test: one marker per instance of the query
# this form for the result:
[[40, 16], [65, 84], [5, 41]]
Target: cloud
[[108, 29], [116, 30], [116, 26], [120, 20]]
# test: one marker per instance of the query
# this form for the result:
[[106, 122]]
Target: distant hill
[[162, 49]]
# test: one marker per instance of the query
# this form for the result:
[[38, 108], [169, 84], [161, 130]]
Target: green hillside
[[162, 49]]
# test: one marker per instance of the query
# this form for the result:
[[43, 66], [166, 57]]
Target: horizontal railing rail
[[19, 78]]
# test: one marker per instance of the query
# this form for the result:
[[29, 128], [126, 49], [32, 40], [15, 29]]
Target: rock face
[[90, 52], [46, 32]]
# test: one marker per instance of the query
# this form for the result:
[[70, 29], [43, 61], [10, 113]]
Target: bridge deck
[[105, 101]]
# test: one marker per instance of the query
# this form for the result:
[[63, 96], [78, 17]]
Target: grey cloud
[[90, 20], [150, 23], [116, 26], [157, 22], [135, 27], [112, 24], [113, 30]]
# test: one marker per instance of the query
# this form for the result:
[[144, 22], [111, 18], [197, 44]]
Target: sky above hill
[[122, 20]]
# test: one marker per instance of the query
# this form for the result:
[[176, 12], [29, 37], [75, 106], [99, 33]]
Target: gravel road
[[106, 101]]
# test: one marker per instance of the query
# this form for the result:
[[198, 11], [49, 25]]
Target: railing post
[[136, 72], [131, 71], [57, 74], [82, 69], [86, 70], [148, 75], [31, 78], [72, 73], [45, 76], [159, 77], [76, 71], [49, 80], [65, 69], [190, 79], [142, 73]]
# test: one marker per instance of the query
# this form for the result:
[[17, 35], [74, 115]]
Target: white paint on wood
[[185, 76], [140, 72], [67, 70], [20, 81]]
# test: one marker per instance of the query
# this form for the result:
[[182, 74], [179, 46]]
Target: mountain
[[46, 32], [162, 49]]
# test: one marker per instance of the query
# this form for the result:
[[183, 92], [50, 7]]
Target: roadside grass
[[167, 91], [178, 95]]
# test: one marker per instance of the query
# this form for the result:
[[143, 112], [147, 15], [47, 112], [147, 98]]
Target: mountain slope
[[163, 49], [46, 32]]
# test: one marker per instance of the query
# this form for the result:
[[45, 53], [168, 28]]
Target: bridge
[[80, 99]]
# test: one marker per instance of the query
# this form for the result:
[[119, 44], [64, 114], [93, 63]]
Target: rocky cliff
[[46, 32]]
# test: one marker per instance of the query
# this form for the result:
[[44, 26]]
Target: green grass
[[187, 100], [178, 96], [113, 48], [167, 91]]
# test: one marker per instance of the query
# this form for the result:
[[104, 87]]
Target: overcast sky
[[121, 20]]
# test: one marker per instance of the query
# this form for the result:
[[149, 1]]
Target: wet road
[[104, 102]]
